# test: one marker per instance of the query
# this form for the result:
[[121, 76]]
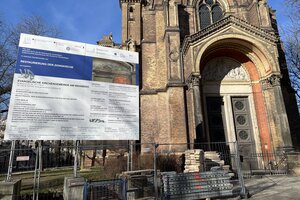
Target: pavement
[[284, 187]]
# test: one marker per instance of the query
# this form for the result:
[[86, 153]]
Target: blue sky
[[83, 21], [78, 20]]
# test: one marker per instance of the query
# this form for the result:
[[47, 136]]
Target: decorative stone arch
[[252, 48]]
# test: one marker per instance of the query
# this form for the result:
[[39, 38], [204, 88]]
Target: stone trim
[[148, 42], [171, 29], [164, 89], [224, 23]]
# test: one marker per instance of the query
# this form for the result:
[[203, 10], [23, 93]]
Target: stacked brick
[[212, 159], [194, 160]]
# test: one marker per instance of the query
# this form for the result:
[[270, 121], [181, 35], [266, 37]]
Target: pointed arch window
[[210, 12], [217, 13], [205, 19]]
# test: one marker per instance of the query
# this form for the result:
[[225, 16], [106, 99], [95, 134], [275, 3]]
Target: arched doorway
[[229, 106]]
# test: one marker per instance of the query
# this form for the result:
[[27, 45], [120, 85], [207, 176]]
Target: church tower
[[157, 38], [211, 71]]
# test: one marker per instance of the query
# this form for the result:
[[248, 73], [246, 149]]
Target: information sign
[[54, 96]]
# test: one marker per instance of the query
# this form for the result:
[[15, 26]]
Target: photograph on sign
[[65, 90]]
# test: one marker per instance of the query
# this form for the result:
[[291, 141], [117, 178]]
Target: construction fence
[[129, 170]]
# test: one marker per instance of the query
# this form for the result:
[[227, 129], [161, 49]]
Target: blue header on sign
[[54, 64]]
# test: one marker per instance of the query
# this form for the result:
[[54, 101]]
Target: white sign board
[[54, 98], [22, 158]]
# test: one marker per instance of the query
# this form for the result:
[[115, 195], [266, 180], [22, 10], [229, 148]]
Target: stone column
[[194, 84], [272, 84]]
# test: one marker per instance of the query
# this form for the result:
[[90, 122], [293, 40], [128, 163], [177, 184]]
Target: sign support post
[[11, 160], [76, 158], [130, 156], [35, 172], [40, 168]]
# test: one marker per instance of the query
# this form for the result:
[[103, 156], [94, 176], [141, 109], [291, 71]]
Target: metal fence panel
[[105, 189], [101, 160]]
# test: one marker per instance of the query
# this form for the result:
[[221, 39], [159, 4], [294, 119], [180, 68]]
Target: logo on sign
[[27, 74], [96, 121]]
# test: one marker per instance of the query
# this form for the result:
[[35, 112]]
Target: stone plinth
[[293, 159], [10, 190], [73, 188]]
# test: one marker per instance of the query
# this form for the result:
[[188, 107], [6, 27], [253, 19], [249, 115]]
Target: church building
[[211, 71]]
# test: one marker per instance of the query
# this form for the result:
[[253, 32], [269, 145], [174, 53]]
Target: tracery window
[[210, 12]]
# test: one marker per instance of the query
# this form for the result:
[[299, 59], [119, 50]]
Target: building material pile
[[212, 159], [194, 160]]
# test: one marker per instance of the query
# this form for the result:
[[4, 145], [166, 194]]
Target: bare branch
[[9, 41]]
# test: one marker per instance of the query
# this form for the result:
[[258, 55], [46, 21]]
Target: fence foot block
[[10, 190], [73, 188]]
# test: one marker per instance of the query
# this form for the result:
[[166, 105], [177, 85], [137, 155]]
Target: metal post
[[131, 155], [155, 171], [125, 188], [129, 158], [40, 168], [76, 158], [79, 156], [243, 194], [35, 172], [11, 160]]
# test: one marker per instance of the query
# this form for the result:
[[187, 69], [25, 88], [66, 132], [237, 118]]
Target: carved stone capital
[[193, 80], [271, 82]]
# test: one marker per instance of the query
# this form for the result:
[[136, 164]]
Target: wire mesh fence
[[141, 167], [105, 189]]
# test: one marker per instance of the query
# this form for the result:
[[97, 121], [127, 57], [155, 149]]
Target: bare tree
[[292, 44], [9, 41], [7, 63]]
